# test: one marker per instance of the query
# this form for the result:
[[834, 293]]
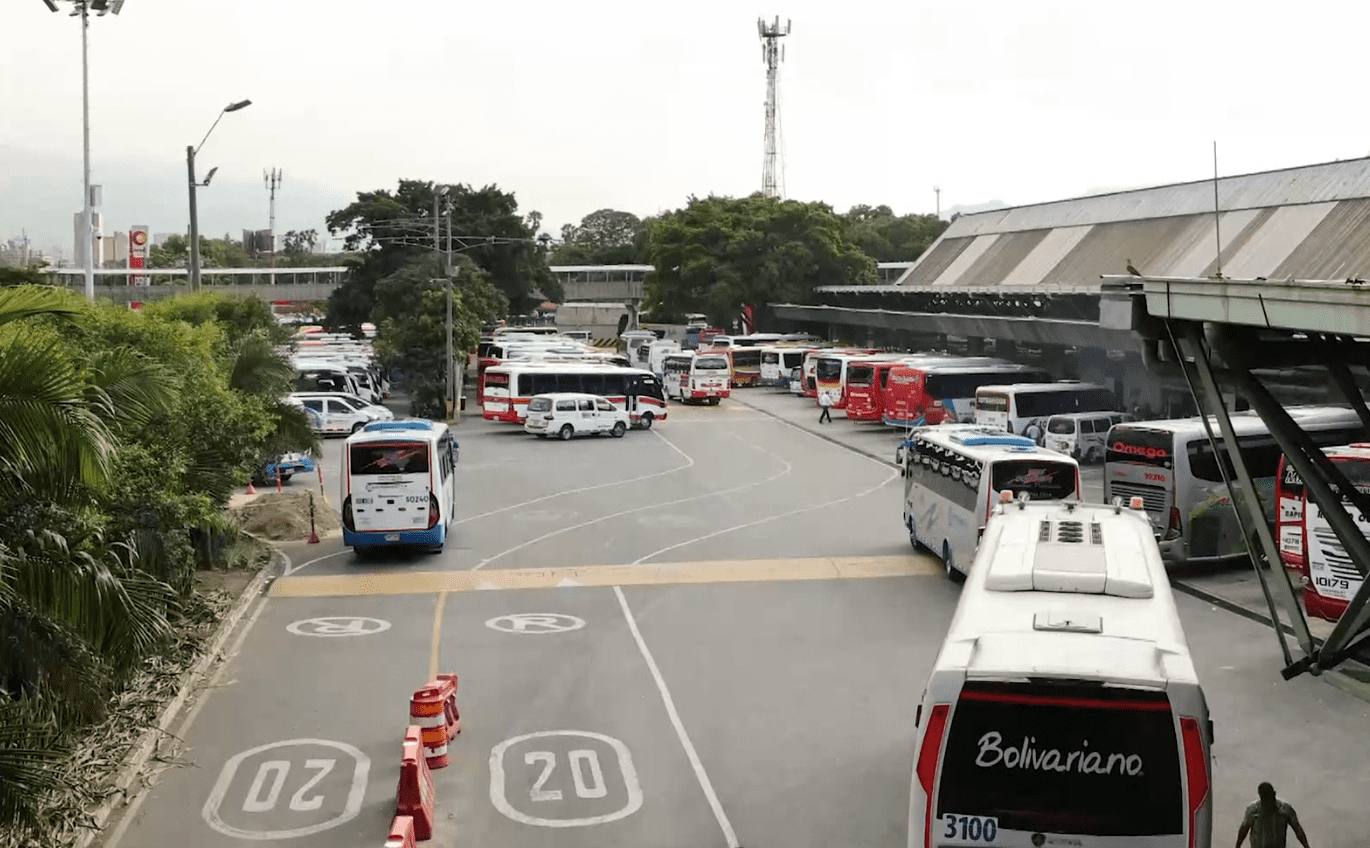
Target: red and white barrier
[[401, 833], [414, 795], [428, 710]]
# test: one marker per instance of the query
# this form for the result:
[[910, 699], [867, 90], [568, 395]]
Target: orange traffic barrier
[[251, 489], [414, 795], [453, 715], [428, 709], [401, 833]]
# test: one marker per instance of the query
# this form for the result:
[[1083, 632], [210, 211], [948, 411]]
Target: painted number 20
[[581, 761], [270, 778]]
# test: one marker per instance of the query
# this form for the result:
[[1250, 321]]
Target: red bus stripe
[[1056, 701]]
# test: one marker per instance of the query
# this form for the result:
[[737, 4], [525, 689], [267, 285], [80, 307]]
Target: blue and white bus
[[398, 485]]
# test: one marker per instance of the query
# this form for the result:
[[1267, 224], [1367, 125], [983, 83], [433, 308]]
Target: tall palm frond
[[31, 755], [22, 302], [257, 369], [292, 431], [128, 389], [51, 443]]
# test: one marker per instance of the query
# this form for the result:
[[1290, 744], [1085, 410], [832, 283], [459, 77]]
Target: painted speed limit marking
[[564, 778], [282, 790], [338, 625], [535, 623]]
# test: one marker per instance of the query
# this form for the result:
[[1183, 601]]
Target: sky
[[637, 106]]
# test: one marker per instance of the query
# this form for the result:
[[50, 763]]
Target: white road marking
[[689, 461], [760, 521], [704, 783], [621, 513], [255, 803], [535, 623], [499, 794], [338, 626], [291, 569]]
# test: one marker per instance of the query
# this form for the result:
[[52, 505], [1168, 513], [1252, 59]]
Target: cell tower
[[272, 179], [772, 53]]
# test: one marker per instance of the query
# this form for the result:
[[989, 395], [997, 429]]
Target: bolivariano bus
[[1307, 543], [509, 387], [934, 389]]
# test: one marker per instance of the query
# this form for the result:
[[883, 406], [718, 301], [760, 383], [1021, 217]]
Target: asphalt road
[[710, 634]]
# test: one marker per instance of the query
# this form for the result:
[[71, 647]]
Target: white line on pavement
[[700, 774]]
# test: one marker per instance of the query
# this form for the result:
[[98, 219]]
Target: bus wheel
[[913, 537], [713, 401], [566, 432], [954, 574], [647, 418], [618, 430]]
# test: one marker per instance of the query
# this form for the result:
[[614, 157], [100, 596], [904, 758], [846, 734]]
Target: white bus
[[1064, 708], [779, 362], [692, 376], [507, 388], [398, 485], [1025, 407], [953, 474], [1170, 465]]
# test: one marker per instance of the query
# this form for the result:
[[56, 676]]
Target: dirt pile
[[285, 517]]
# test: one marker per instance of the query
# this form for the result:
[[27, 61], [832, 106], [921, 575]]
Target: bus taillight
[[1175, 529], [434, 513], [926, 769], [1196, 771]]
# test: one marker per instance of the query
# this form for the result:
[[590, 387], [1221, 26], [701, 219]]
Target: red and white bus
[[866, 382], [509, 387], [934, 389], [830, 372], [509, 348], [1307, 543], [744, 362], [695, 376], [778, 362]]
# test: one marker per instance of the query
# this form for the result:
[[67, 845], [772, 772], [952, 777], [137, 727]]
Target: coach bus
[[695, 376], [509, 387], [1307, 543], [744, 364], [953, 475], [1024, 408], [933, 389], [1171, 466], [778, 362], [830, 372], [398, 485]]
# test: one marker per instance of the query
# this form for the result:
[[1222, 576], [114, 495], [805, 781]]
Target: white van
[[1082, 435], [1064, 709], [336, 416], [570, 414]]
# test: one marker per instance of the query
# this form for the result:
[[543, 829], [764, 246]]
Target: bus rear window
[[711, 363], [1043, 480], [992, 402], [828, 369], [1141, 445], [860, 375], [389, 459], [1064, 759]]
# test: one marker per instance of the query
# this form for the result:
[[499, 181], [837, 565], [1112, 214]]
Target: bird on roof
[[1132, 270]]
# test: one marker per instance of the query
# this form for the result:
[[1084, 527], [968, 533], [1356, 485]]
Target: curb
[[146, 746], [833, 439]]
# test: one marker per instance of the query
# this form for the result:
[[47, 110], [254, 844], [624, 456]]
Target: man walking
[[1267, 820], [825, 401]]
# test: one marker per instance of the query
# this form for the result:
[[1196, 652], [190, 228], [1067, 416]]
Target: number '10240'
[[970, 828]]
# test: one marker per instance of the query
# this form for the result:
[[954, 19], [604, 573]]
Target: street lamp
[[82, 9], [190, 171]]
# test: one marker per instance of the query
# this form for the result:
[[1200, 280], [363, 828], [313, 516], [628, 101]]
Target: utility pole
[[772, 53], [272, 180]]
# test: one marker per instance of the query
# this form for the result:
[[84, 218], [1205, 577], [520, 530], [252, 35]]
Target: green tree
[[887, 237], [604, 237], [23, 275], [387, 230], [300, 242], [720, 253], [172, 253]]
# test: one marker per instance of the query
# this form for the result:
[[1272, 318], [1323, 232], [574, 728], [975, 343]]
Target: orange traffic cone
[[251, 489]]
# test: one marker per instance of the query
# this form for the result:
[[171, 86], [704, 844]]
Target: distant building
[[159, 239], [257, 242]]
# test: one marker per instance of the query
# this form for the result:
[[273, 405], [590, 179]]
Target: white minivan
[[1064, 708], [568, 414], [338, 414], [1082, 435]]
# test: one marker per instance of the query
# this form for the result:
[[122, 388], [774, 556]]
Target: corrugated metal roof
[[1311, 222]]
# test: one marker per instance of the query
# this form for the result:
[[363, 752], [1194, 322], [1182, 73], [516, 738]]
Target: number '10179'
[[971, 828]]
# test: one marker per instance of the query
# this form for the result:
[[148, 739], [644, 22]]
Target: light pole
[[190, 171], [450, 400], [82, 9]]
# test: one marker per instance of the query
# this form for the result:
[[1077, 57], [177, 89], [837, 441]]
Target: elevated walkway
[[1214, 332]]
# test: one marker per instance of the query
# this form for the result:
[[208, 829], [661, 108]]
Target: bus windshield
[[375, 458], [1042, 479], [1063, 759], [1142, 446]]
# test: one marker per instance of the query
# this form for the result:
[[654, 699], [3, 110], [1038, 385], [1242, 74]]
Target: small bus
[[1064, 708], [778, 363], [933, 389], [1170, 465], [743, 362], [1307, 543], [399, 485], [695, 376], [830, 372], [509, 387], [953, 474], [1025, 407]]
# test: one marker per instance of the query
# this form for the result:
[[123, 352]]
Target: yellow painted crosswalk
[[718, 571]]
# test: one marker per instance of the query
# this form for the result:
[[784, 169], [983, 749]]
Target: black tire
[[358, 426], [647, 419], [566, 432], [954, 574], [285, 478], [619, 430], [714, 401]]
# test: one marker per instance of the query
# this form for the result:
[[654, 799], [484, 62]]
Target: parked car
[[339, 412], [568, 414], [289, 464]]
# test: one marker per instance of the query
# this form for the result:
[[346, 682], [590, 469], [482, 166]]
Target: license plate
[[392, 537]]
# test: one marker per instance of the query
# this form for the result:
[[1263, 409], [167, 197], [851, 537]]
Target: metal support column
[[1347, 384], [1254, 526]]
